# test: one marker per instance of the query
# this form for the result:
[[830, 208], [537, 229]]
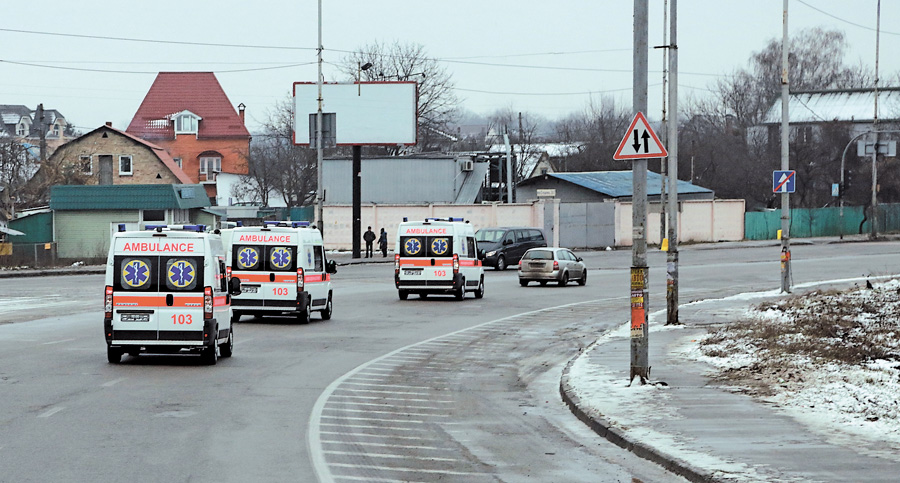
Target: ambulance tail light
[[107, 303], [396, 263], [207, 303], [455, 263], [227, 274], [555, 265], [300, 280]]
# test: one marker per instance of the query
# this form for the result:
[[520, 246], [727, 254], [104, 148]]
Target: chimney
[[108, 123], [241, 108]]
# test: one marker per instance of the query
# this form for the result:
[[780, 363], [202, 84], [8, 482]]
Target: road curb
[[51, 272], [606, 429]]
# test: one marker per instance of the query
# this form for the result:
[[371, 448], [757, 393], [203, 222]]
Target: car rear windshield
[[426, 246], [539, 255], [489, 236]]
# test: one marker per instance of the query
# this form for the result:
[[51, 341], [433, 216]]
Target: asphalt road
[[388, 390]]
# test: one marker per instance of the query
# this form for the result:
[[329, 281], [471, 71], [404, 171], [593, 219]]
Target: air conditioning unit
[[468, 165]]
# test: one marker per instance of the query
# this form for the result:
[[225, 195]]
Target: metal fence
[[805, 222], [30, 255]]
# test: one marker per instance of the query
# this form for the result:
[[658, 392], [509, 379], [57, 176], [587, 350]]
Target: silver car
[[559, 265]]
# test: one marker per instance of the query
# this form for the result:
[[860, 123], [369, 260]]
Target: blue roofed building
[[599, 186]]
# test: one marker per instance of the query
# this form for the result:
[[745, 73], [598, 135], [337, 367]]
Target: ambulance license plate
[[412, 272], [135, 318], [246, 289]]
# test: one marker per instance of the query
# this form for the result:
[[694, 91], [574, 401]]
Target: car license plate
[[412, 272], [246, 289], [135, 318]]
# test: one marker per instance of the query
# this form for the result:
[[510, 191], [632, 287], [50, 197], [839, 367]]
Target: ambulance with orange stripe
[[283, 270], [167, 291], [437, 256]]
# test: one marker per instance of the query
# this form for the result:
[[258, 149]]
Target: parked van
[[167, 291], [504, 246], [283, 270], [437, 256]]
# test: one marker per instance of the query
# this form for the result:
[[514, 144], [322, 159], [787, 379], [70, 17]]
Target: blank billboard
[[366, 113]]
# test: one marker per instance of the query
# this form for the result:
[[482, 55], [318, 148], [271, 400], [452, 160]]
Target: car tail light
[[396, 263], [455, 263], [228, 274], [207, 303], [107, 303], [555, 265], [301, 281]]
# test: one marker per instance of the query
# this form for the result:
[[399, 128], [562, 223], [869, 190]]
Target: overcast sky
[[545, 57]]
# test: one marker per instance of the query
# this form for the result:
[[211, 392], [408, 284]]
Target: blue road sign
[[784, 181]]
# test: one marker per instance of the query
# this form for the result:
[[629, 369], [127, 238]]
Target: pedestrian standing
[[382, 242], [369, 237]]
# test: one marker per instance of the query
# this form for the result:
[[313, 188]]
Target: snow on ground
[[830, 359]]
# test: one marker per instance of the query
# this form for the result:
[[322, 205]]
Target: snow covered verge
[[829, 358]]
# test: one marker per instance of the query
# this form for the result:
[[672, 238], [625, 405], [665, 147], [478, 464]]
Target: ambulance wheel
[[461, 291], [326, 314], [210, 354], [479, 293], [236, 316], [403, 294], [501, 263], [523, 283], [113, 355], [423, 295], [543, 283], [227, 348], [303, 317]]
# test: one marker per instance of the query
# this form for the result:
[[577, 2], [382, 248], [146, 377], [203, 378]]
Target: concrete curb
[[606, 429], [52, 272]]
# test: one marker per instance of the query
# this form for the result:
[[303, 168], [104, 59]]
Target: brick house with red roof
[[189, 115]]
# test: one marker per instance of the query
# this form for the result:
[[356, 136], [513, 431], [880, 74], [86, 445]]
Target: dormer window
[[186, 122]]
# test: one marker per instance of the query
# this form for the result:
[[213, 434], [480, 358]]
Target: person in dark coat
[[369, 237], [382, 243]]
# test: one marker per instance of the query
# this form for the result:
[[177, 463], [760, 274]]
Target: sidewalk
[[698, 428]]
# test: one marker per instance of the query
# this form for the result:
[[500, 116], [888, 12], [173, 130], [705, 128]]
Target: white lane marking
[[58, 341], [408, 470], [374, 391], [241, 341], [113, 382], [51, 412], [385, 445], [382, 436], [381, 420], [371, 411], [367, 426], [314, 448], [401, 386], [376, 480], [395, 456], [382, 398], [388, 405]]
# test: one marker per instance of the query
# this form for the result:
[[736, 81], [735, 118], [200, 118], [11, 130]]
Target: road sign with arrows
[[784, 181], [640, 141]]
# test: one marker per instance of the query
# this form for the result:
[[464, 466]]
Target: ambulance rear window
[[247, 257], [426, 246], [158, 274], [281, 258]]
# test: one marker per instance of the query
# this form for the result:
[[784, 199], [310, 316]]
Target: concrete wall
[[698, 221]]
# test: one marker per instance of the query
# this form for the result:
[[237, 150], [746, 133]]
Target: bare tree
[[397, 61], [599, 127], [523, 129], [16, 168]]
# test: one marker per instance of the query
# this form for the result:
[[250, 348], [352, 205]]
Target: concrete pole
[[875, 129], [509, 187], [785, 163], [665, 126], [320, 187], [640, 331], [672, 254]]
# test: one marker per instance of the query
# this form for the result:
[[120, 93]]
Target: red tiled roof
[[198, 92]]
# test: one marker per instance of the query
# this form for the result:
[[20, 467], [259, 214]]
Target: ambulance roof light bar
[[159, 228], [441, 219], [292, 224]]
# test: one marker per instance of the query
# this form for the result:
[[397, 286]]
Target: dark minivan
[[504, 246]]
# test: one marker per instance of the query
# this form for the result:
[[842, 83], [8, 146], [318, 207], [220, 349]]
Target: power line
[[110, 71], [823, 12], [154, 41]]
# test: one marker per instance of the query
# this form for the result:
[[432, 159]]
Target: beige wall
[[145, 165], [698, 221]]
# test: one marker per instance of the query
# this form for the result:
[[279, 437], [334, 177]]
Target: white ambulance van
[[167, 291], [283, 270], [437, 256]]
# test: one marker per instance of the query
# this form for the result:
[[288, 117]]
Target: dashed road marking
[[395, 456], [385, 445], [51, 412], [407, 470], [58, 341], [113, 382]]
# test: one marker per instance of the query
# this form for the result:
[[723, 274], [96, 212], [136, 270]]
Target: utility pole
[[640, 331], [320, 188], [42, 132], [785, 164], [665, 127], [672, 254], [875, 129]]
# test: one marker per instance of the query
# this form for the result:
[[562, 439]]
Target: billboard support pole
[[357, 199]]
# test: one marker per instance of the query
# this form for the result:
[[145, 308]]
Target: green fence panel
[[805, 222]]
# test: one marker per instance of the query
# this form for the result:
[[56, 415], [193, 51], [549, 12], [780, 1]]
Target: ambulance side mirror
[[235, 288], [331, 266], [481, 253]]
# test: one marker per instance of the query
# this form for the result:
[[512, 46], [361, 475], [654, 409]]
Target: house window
[[85, 165], [125, 166], [56, 130], [210, 164], [186, 123], [21, 129], [154, 215], [178, 162]]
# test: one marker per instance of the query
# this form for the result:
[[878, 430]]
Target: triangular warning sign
[[640, 141]]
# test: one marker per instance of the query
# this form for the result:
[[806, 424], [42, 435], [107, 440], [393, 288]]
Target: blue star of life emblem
[[136, 273], [181, 273], [281, 257], [413, 246], [439, 246], [248, 257]]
